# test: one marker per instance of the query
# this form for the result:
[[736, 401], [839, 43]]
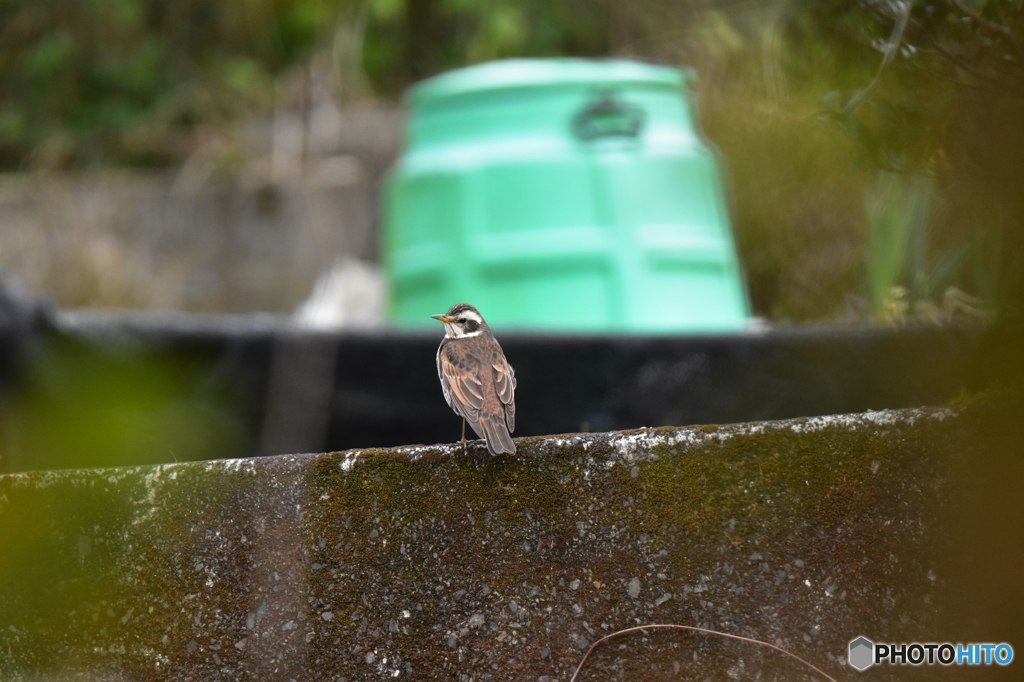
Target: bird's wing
[[505, 387], [510, 416], [462, 389]]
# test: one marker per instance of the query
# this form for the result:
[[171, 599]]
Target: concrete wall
[[234, 230], [425, 563]]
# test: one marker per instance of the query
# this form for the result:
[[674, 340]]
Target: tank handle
[[608, 116]]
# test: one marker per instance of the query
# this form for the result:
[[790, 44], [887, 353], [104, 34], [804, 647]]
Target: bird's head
[[461, 320]]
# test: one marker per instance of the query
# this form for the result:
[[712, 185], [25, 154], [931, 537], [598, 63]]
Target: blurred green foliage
[[103, 405], [407, 41], [811, 102], [101, 81], [926, 96], [939, 119]]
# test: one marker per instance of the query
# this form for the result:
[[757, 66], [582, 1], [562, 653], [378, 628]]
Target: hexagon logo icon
[[862, 653]]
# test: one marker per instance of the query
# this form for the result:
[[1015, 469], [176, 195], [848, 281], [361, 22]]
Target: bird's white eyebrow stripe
[[470, 315]]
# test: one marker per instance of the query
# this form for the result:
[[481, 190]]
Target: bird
[[477, 381]]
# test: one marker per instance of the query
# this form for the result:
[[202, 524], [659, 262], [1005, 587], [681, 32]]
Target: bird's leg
[[463, 441]]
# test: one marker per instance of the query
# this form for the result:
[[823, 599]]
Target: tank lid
[[519, 73]]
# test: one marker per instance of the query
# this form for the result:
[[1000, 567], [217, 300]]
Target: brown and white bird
[[477, 380]]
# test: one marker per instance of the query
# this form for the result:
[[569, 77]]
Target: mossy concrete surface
[[429, 564]]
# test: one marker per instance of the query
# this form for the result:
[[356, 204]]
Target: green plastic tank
[[560, 194]]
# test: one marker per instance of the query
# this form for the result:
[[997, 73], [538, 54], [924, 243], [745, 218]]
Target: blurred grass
[[897, 220]]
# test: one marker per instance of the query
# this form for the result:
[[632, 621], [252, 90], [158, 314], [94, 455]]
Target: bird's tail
[[496, 434]]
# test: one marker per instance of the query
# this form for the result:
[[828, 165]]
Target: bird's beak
[[441, 317]]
